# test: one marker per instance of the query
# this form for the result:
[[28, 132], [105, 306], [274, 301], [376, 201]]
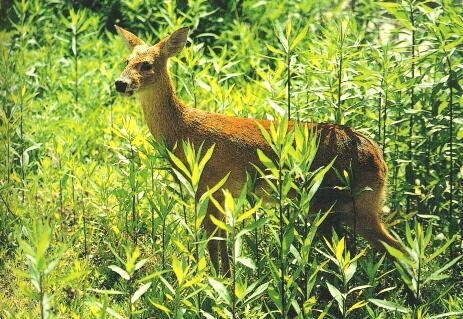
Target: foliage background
[[82, 182]]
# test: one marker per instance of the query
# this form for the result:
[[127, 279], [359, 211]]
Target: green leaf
[[257, 224], [247, 262], [447, 314], [274, 50], [299, 37], [281, 37], [179, 164], [214, 188], [440, 250], [107, 309], [160, 307], [337, 295], [178, 269], [206, 157], [140, 291], [351, 269], [264, 159], [389, 305], [120, 271], [140, 264], [220, 289], [397, 254], [339, 252], [257, 292], [435, 276], [220, 224], [107, 292], [249, 212], [240, 290], [357, 305]]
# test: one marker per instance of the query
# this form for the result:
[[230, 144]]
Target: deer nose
[[121, 86]]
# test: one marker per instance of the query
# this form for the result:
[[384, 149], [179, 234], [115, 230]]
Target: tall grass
[[97, 220]]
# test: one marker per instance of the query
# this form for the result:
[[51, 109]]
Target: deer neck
[[162, 110]]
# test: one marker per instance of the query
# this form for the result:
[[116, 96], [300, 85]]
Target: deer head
[[146, 65]]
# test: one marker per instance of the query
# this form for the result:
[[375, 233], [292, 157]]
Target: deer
[[237, 140]]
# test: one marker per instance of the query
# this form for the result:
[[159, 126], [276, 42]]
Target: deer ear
[[175, 42], [130, 39]]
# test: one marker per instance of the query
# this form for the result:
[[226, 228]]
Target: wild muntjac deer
[[237, 140]]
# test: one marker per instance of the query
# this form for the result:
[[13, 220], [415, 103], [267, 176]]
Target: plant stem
[[256, 240], [450, 142], [233, 270], [281, 233], [182, 197], [134, 196], [288, 73], [130, 296], [85, 227], [163, 257], [195, 229], [386, 102], [379, 110], [412, 106], [396, 166], [76, 70], [41, 296], [340, 66], [60, 190], [73, 199], [21, 132], [152, 207]]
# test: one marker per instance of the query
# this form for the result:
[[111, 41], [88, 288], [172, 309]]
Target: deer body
[[236, 142]]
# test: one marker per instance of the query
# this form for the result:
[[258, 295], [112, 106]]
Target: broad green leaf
[[120, 271], [249, 212], [220, 224], [107, 292], [299, 37], [220, 289], [436, 275], [389, 305], [178, 270], [160, 307], [339, 252], [356, 305], [179, 164], [456, 314], [337, 295], [440, 250], [140, 291], [206, 157], [274, 50], [246, 261], [264, 159], [140, 264]]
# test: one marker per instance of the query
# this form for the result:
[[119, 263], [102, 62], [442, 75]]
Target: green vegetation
[[95, 222]]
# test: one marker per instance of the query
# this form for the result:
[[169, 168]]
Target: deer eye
[[146, 66]]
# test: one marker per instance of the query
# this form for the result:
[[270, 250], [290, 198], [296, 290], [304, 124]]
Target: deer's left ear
[[175, 42], [130, 39]]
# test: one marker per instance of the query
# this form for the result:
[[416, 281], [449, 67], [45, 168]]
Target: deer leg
[[212, 244], [368, 224], [222, 244], [225, 262], [217, 248]]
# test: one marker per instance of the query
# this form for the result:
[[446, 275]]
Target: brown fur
[[237, 139]]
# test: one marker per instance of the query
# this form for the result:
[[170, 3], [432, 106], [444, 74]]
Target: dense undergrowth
[[95, 222]]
